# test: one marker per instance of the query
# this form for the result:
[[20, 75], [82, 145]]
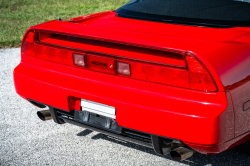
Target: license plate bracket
[[98, 121]]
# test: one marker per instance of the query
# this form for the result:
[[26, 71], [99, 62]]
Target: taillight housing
[[199, 77], [53, 54], [28, 43], [193, 76]]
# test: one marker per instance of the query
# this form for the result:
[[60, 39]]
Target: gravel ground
[[26, 140]]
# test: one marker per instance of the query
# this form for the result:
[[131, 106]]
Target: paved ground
[[25, 140]]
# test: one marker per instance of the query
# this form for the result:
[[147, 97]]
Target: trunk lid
[[107, 26], [112, 21]]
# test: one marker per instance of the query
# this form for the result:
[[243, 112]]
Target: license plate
[[98, 108]]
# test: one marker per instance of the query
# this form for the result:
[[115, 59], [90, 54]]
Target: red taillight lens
[[196, 77], [194, 65], [157, 73], [58, 55], [79, 60], [28, 44], [199, 77]]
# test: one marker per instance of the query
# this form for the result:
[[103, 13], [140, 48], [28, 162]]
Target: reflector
[[123, 68], [79, 60]]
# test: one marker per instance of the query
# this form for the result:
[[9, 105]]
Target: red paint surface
[[208, 122]]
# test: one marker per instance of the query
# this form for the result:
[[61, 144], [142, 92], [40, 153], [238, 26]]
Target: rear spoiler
[[157, 42]]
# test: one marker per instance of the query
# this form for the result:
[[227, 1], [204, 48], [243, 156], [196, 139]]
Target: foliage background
[[16, 16]]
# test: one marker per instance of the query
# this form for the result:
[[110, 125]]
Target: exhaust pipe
[[44, 115], [181, 153]]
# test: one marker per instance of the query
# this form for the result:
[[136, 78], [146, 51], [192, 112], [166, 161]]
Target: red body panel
[[208, 122]]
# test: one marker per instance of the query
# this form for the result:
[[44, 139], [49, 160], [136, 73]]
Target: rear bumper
[[196, 118]]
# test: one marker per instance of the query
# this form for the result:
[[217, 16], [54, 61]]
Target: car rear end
[[165, 78], [140, 91]]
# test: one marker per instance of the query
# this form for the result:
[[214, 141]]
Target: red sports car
[[173, 75]]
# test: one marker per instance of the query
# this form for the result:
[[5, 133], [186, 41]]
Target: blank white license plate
[[98, 108]]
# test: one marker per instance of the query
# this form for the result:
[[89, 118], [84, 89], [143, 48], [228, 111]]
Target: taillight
[[58, 55], [195, 77], [156, 73], [199, 77], [28, 43]]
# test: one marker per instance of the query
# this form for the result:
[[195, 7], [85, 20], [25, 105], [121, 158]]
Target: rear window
[[201, 12]]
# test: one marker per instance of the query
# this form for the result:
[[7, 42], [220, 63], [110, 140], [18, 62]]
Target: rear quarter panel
[[229, 63]]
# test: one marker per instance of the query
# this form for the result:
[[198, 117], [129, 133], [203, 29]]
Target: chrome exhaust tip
[[181, 153], [44, 115]]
